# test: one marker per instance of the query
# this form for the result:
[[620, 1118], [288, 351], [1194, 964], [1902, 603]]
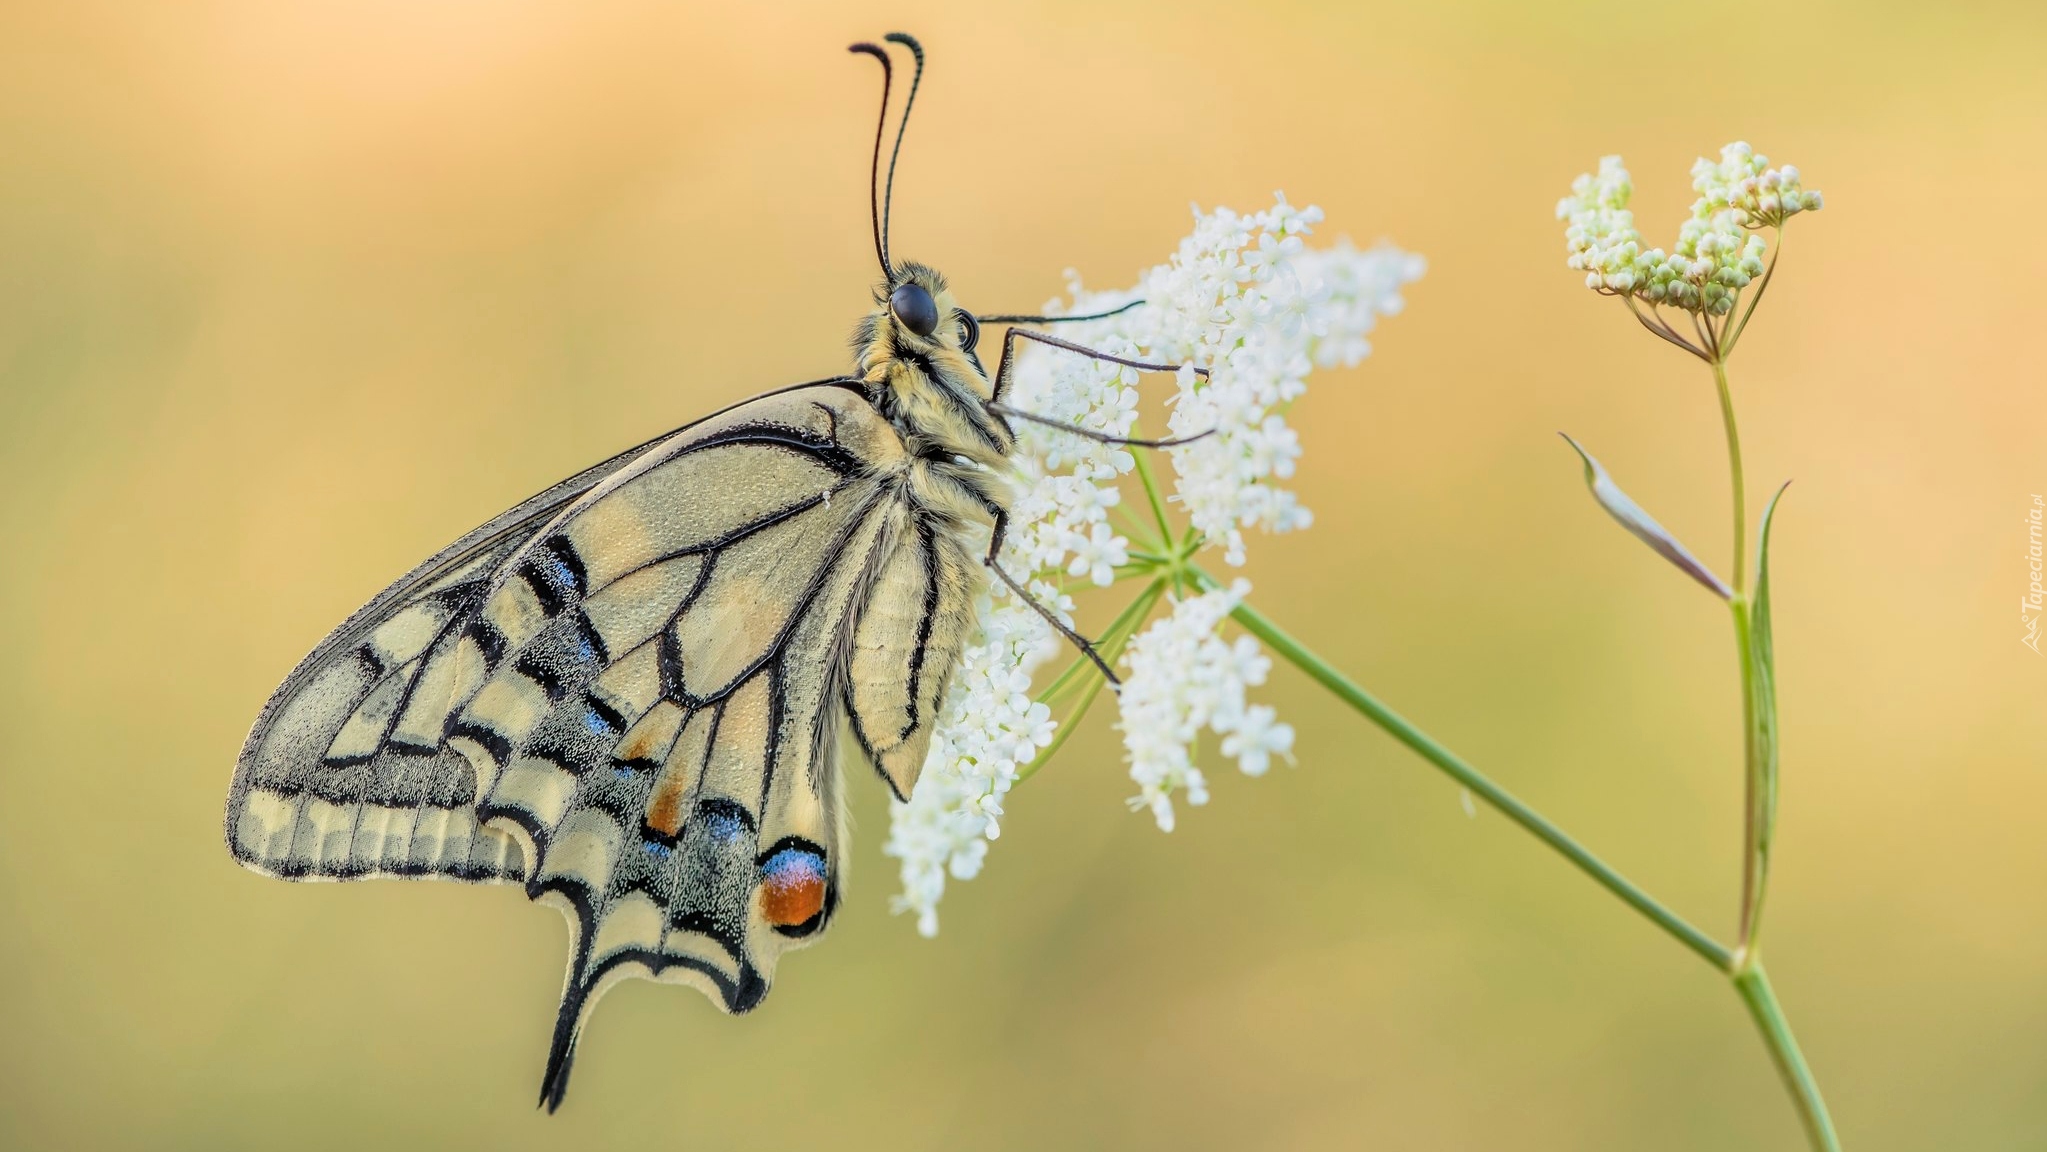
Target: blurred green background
[[291, 294]]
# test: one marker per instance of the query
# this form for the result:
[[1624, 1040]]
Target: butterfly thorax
[[934, 392]]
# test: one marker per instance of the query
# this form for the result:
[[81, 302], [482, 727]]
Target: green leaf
[[1764, 684], [1644, 526]]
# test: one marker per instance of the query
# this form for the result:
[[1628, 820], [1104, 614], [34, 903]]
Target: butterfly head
[[917, 310], [916, 350], [917, 339]]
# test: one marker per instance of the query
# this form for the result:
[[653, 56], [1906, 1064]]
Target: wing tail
[[561, 1052]]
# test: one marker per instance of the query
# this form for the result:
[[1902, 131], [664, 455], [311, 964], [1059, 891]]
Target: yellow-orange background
[[293, 293]]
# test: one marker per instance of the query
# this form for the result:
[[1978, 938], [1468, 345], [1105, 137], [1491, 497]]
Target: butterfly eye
[[914, 309], [970, 331]]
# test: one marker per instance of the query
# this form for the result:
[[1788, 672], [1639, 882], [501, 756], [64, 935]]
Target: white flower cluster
[[1244, 298], [1066, 484], [1356, 289], [990, 727], [1184, 679], [1716, 255]]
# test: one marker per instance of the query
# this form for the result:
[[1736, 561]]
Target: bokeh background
[[293, 293]]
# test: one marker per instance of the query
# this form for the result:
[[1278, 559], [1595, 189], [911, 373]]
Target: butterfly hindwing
[[904, 650], [628, 698]]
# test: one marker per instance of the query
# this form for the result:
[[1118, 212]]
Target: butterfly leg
[[1091, 434], [1022, 319], [1010, 337], [1087, 649]]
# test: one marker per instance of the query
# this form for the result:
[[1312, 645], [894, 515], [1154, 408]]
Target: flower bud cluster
[[1600, 231], [1717, 253], [1743, 182]]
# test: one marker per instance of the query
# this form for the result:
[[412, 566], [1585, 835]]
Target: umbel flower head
[[1247, 301], [1718, 252]]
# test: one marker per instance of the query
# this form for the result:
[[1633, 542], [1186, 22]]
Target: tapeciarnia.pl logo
[[2030, 607]]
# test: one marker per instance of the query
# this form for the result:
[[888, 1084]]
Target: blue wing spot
[[793, 866], [723, 821], [724, 827]]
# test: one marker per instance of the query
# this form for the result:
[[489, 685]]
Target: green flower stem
[[1745, 968], [1395, 725], [1733, 337], [1753, 984], [1083, 672], [1172, 567], [1126, 621], [1755, 859], [1139, 532], [1151, 494], [1734, 470], [1755, 835]]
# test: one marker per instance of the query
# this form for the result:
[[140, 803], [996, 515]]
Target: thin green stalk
[[1158, 504], [1754, 986], [1139, 531], [1755, 864], [1395, 725], [1734, 471], [1755, 860], [1762, 286], [1113, 639], [1132, 614], [1744, 968]]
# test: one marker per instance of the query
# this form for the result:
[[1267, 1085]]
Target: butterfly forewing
[[626, 694], [345, 774]]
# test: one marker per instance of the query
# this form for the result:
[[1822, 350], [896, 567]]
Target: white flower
[[1245, 299], [1186, 679], [990, 728], [1257, 738], [1098, 554]]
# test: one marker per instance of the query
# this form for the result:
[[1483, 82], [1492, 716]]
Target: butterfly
[[626, 693]]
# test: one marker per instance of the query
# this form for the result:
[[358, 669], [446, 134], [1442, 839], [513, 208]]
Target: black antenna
[[874, 166], [888, 190]]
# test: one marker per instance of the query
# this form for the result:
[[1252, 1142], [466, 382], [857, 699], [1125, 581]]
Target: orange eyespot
[[792, 887]]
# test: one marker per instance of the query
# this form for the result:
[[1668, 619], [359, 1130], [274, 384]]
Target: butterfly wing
[[908, 639], [345, 774], [624, 693]]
